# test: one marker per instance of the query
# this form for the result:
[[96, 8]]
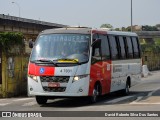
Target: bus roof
[[82, 30], [86, 30]]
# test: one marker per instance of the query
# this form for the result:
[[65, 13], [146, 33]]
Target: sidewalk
[[152, 74]]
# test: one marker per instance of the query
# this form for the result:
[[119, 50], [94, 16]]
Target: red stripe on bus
[[34, 69], [100, 72], [99, 32]]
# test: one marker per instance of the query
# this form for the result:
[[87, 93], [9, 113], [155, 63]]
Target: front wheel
[[41, 100], [95, 94]]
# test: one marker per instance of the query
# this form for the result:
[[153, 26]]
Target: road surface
[[145, 96]]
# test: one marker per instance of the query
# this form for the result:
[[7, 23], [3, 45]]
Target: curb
[[145, 71]]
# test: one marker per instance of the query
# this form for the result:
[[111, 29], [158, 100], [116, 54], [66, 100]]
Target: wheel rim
[[94, 95], [127, 89]]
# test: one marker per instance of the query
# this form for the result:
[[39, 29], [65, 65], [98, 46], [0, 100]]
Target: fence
[[151, 59]]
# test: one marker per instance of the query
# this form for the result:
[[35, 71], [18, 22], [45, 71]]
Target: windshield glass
[[61, 47]]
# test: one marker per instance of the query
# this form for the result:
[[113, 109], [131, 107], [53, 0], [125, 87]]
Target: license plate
[[53, 84]]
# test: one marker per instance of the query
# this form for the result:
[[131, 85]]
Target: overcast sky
[[90, 13]]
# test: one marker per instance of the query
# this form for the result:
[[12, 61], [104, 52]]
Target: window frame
[[127, 47], [111, 54], [109, 50], [120, 47]]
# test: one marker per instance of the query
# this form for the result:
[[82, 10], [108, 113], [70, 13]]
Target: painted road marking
[[117, 100], [4, 104], [29, 104], [23, 99], [17, 100], [144, 103], [138, 99], [150, 93], [2, 99]]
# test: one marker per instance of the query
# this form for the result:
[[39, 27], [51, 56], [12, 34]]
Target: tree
[[117, 29], [128, 28], [106, 26], [157, 41], [123, 29], [158, 25], [149, 28], [9, 39]]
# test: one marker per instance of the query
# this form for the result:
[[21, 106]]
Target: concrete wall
[[14, 75]]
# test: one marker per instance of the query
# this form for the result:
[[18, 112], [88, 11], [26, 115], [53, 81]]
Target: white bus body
[[74, 62]]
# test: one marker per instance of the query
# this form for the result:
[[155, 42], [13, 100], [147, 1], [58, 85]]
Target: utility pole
[[18, 8], [131, 18]]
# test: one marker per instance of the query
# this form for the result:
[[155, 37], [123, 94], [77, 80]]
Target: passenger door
[[101, 64]]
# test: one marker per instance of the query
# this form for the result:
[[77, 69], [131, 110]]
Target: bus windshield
[[55, 47]]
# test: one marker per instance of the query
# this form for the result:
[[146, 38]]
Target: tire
[[94, 97], [126, 90], [41, 100]]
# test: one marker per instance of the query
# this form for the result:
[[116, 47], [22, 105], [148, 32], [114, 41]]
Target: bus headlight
[[33, 77], [78, 77]]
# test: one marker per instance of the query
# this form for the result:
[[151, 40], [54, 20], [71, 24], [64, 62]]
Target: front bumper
[[73, 89]]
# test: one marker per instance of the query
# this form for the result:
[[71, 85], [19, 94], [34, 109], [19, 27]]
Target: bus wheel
[[95, 94], [41, 99], [126, 90]]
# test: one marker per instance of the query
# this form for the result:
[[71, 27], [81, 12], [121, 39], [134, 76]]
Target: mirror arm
[[95, 42]]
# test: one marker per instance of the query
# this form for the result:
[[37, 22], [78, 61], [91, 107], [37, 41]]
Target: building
[[13, 66]]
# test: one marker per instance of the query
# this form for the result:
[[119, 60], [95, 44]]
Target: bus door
[[101, 64]]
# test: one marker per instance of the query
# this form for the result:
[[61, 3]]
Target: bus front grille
[[52, 89], [60, 79]]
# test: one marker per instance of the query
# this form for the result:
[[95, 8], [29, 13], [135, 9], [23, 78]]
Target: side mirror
[[31, 44], [97, 41]]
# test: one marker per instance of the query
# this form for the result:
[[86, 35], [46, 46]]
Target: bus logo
[[42, 70]]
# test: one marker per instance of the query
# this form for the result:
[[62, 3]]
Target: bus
[[81, 61]]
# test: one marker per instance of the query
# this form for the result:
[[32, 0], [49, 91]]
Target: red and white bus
[[74, 62]]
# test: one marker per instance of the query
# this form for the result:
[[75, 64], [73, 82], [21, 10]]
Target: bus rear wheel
[[126, 90], [41, 100]]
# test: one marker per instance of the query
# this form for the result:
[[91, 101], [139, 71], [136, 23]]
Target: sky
[[90, 13]]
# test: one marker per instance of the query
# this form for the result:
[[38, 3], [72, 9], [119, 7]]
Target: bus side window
[[114, 47], [122, 47], [129, 48], [105, 47], [135, 47], [139, 47]]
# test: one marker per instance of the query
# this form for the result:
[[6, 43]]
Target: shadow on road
[[68, 102], [84, 101]]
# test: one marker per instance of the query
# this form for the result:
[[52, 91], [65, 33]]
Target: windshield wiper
[[45, 61]]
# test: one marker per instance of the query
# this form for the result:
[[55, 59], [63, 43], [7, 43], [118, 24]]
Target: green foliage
[[9, 39], [154, 48], [149, 28], [151, 48], [128, 28], [158, 25], [117, 29], [157, 41], [124, 29], [106, 26]]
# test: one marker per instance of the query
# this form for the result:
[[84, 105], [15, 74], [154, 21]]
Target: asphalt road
[[145, 96]]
